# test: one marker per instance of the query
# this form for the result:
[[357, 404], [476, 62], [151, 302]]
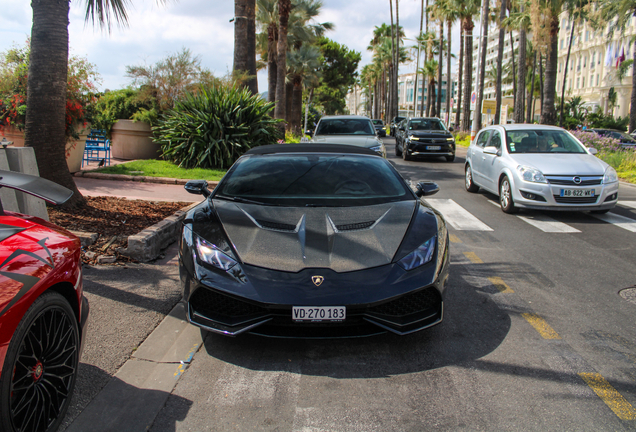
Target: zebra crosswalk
[[463, 220]]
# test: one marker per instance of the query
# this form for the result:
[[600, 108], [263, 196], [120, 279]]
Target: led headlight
[[212, 255], [420, 256], [413, 138], [530, 174], [610, 176], [377, 149]]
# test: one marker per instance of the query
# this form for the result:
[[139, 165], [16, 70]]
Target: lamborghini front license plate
[[319, 313]]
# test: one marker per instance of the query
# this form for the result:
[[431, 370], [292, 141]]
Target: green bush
[[215, 126], [121, 104]]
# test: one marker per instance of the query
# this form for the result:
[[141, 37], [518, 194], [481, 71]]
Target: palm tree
[[46, 99], [500, 50], [267, 17], [429, 70], [467, 10], [300, 62], [520, 21], [482, 62], [284, 9], [245, 41]]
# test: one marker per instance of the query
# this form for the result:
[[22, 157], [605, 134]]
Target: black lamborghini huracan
[[313, 240]]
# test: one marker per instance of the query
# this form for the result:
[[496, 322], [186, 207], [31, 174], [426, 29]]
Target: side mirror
[[401, 128], [426, 188], [592, 150], [492, 150], [198, 187], [309, 132], [451, 129]]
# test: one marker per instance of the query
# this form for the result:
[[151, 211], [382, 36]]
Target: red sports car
[[43, 312]]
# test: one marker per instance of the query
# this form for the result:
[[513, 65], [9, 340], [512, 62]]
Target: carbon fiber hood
[[339, 238]]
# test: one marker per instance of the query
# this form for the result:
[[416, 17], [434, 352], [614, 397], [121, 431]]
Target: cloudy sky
[[203, 26]]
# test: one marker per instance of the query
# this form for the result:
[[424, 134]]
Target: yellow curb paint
[[454, 239], [500, 285], [608, 394], [541, 326], [472, 256]]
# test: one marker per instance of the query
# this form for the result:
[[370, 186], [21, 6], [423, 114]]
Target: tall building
[[592, 67], [406, 94]]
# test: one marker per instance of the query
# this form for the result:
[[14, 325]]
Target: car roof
[[524, 126], [310, 148], [344, 117]]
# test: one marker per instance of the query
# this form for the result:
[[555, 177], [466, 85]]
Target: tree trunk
[[521, 79], [468, 71], [541, 81], [460, 90], [632, 111], [530, 113], [393, 50], [500, 50], [449, 26], [297, 104], [289, 96], [440, 67], [548, 111], [419, 49], [482, 62], [307, 105], [284, 7], [272, 41], [514, 71], [46, 97], [245, 41], [431, 91], [396, 64], [565, 75]]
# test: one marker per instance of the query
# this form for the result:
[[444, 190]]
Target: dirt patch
[[113, 219]]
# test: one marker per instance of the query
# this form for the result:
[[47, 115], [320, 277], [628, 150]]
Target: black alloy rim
[[43, 371]]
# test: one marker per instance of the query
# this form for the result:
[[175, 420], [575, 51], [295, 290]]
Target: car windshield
[[378, 122], [345, 127], [542, 141], [426, 124], [622, 136], [313, 180]]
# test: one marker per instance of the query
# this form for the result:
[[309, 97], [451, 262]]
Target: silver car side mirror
[[492, 150], [592, 150]]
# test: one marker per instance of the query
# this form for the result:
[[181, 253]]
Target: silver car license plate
[[319, 313], [577, 192], [433, 147]]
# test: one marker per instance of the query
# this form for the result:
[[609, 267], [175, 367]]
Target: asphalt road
[[536, 336]]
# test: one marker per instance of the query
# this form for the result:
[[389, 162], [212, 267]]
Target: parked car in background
[[379, 127], [307, 240], [394, 124], [539, 167], [43, 312], [627, 141], [424, 136], [349, 130]]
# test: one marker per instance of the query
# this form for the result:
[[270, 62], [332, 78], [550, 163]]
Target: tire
[[54, 359], [470, 186], [505, 197], [599, 211], [405, 155], [398, 153], [450, 158]]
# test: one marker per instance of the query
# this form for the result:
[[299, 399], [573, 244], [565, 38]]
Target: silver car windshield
[[345, 127], [542, 141]]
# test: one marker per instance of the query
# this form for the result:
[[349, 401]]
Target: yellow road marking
[[454, 239], [472, 256], [541, 326], [610, 396], [500, 285]]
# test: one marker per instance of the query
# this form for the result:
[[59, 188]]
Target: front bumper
[[419, 148], [542, 196], [260, 301]]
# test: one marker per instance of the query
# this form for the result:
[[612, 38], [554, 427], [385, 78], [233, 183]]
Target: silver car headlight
[[420, 256], [530, 174], [212, 255], [610, 176]]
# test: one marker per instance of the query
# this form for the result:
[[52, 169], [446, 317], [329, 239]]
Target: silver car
[[349, 129], [539, 167]]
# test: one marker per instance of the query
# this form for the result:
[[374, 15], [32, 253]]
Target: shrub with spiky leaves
[[214, 126]]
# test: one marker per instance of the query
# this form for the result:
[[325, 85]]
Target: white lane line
[[458, 217], [618, 220], [547, 224], [631, 204]]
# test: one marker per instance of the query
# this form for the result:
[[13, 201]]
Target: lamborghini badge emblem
[[317, 280]]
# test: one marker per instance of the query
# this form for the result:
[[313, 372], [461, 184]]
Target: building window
[[560, 66], [561, 43], [570, 84], [584, 61], [598, 76], [578, 82], [587, 35], [592, 61], [583, 83]]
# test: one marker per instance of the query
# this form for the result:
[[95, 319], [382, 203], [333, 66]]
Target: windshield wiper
[[243, 200]]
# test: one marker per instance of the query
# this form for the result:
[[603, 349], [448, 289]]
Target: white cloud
[[203, 26]]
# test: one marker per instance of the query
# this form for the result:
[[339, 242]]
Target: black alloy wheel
[[405, 153], [398, 152], [40, 367], [450, 158]]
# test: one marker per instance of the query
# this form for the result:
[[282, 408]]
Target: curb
[[146, 179]]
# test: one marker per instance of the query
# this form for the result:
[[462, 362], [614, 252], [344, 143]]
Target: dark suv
[[379, 127], [425, 136], [394, 124], [627, 141]]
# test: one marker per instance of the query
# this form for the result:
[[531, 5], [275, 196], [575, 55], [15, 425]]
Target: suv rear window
[[345, 127]]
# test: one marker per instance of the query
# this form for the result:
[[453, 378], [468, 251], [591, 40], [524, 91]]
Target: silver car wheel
[[505, 197], [470, 186]]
